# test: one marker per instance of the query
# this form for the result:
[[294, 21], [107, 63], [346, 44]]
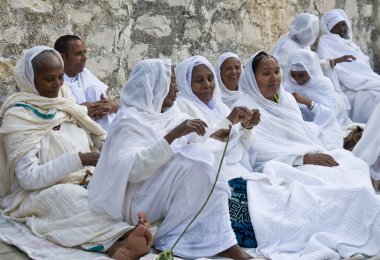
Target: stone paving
[[8, 252]]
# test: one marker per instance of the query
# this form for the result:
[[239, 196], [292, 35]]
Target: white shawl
[[282, 133], [357, 75], [21, 131], [228, 96], [140, 113], [304, 30]]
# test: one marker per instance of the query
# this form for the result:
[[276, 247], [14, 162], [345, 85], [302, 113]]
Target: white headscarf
[[282, 133], [228, 96], [215, 110], [142, 97], [304, 30], [331, 18], [319, 88], [23, 129]]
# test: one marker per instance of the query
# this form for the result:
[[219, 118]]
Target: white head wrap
[[23, 71], [304, 29], [215, 109], [331, 18], [228, 96]]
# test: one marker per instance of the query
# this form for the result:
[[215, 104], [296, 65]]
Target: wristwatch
[[311, 105]]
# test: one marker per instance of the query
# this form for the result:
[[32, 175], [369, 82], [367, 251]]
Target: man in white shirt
[[87, 89]]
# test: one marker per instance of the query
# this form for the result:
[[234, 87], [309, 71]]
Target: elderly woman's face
[[172, 94], [49, 77], [230, 73], [341, 29], [268, 77], [203, 83], [301, 77]]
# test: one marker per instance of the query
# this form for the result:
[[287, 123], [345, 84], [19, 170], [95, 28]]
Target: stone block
[[224, 32], [39, 6], [192, 31], [156, 26], [102, 38]]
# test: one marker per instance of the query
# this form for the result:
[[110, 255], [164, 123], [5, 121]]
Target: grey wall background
[[119, 33]]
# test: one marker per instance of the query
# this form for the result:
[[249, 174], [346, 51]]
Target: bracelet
[[311, 105]]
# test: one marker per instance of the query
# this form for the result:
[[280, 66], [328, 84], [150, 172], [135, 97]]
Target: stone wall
[[119, 33]]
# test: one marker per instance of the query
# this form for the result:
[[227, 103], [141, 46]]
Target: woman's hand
[[238, 114], [320, 159], [221, 134], [89, 159], [302, 99], [253, 121], [187, 127], [345, 58]]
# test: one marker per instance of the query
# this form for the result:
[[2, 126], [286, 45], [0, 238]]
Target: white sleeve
[[247, 138], [32, 175], [321, 113], [298, 161], [149, 160]]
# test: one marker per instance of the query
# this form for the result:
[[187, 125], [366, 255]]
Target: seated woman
[[303, 77], [199, 97], [228, 70], [147, 164], [44, 155], [284, 136], [357, 79]]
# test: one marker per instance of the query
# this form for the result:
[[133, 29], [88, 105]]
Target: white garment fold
[[297, 221]]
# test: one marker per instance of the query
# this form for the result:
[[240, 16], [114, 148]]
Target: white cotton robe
[[42, 168], [357, 79], [86, 87], [139, 171]]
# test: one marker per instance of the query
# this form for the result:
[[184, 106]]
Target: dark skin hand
[[345, 58], [302, 99], [89, 159], [238, 114], [101, 108], [320, 159], [221, 135], [187, 127], [253, 121]]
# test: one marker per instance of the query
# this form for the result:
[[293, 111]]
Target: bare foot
[[235, 252], [137, 243]]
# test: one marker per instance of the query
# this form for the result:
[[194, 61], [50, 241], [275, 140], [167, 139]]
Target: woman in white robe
[[45, 153], [228, 70], [303, 77], [284, 136], [147, 164], [357, 79]]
